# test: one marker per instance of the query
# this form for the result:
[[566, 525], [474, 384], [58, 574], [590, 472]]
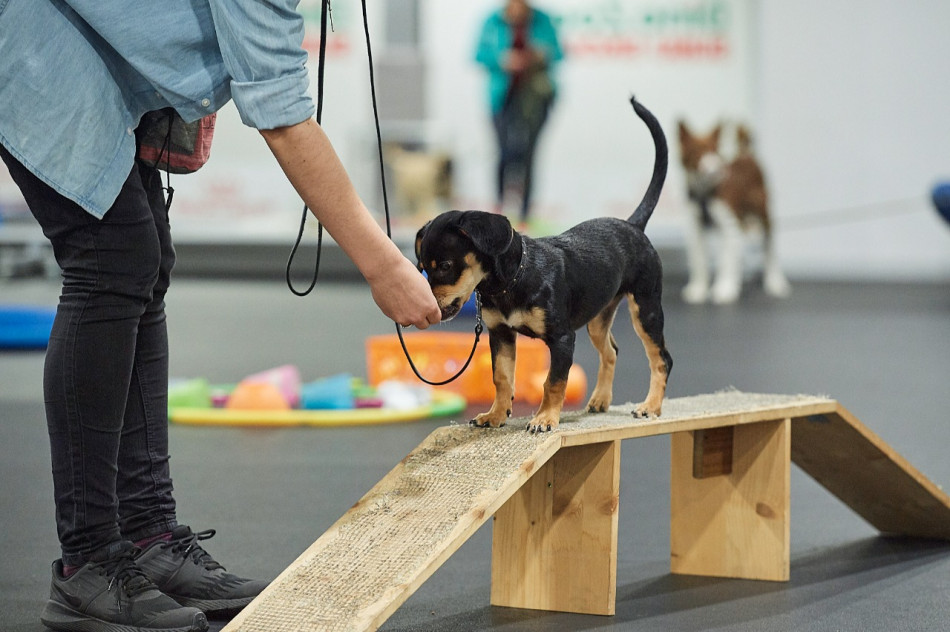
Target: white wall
[[849, 102], [853, 114]]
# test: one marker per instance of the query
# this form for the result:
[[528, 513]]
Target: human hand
[[403, 295], [517, 60]]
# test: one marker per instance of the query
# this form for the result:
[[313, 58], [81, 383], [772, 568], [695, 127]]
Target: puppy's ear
[[419, 235], [491, 233]]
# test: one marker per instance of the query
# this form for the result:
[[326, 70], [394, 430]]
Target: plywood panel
[[868, 476], [737, 524], [554, 542]]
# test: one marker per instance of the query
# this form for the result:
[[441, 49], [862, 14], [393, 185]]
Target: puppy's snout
[[451, 310]]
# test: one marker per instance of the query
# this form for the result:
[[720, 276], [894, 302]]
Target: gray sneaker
[[110, 594], [188, 574]]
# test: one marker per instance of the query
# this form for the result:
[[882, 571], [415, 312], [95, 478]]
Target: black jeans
[[106, 375], [517, 127]]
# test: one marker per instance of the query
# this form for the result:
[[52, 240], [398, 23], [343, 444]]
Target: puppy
[[730, 197], [548, 288]]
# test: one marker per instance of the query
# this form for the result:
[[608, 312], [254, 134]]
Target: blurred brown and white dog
[[731, 197]]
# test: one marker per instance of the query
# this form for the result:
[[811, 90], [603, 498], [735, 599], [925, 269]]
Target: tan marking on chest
[[532, 319]]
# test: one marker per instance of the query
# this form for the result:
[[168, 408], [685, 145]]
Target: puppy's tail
[[642, 215]]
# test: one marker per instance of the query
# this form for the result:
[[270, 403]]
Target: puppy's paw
[[645, 411], [542, 422], [599, 403], [490, 420]]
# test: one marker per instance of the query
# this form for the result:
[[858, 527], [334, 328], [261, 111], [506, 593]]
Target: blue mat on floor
[[24, 327]]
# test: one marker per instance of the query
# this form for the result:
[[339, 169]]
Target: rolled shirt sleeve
[[261, 43]]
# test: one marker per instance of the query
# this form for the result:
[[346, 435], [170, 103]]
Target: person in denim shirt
[[76, 77], [518, 46]]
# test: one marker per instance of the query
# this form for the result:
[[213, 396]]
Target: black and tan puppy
[[548, 288]]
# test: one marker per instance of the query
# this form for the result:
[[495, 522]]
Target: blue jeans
[[106, 374]]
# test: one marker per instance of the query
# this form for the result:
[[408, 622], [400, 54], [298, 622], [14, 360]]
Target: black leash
[[321, 66], [478, 333], [321, 62]]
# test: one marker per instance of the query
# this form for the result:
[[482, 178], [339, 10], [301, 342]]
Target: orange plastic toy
[[257, 396], [439, 356]]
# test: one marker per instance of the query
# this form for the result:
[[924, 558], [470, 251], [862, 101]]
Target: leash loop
[[325, 12], [478, 332], [325, 16]]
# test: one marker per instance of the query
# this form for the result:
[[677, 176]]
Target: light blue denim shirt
[[77, 75]]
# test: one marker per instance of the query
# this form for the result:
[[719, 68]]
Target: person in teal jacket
[[519, 48]]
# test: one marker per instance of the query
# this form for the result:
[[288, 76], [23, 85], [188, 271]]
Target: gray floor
[[882, 350]]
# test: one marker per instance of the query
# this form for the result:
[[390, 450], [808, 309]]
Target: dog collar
[[514, 279]]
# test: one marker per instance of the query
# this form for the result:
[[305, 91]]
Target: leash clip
[[478, 315]]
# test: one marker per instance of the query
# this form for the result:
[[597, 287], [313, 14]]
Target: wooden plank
[[381, 550], [554, 544], [734, 525], [868, 476], [727, 408]]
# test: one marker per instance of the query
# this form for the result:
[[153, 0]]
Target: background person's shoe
[[111, 594], [188, 574]]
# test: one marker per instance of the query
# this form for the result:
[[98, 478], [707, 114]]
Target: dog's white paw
[[777, 285], [725, 293], [695, 293]]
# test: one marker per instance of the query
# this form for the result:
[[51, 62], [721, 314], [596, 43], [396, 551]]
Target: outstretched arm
[[314, 169]]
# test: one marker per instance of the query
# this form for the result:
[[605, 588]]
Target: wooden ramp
[[554, 497]]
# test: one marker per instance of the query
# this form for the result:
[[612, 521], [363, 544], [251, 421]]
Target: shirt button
[[205, 103], [129, 131]]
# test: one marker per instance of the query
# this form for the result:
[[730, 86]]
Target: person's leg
[[171, 555], [144, 486], [527, 183], [500, 123], [110, 268], [533, 127]]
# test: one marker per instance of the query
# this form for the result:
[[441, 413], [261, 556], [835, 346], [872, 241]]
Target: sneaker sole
[[57, 616], [214, 608]]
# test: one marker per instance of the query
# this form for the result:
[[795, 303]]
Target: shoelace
[[126, 576], [188, 546]]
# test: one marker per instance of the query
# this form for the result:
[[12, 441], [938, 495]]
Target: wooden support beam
[[736, 524], [554, 544]]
